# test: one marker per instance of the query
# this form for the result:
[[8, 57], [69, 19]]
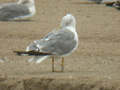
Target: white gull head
[[30, 4], [68, 21], [26, 2]]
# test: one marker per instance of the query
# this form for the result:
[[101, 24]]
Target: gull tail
[[38, 59], [31, 53]]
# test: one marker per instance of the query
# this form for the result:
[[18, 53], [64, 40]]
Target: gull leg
[[62, 65], [53, 64]]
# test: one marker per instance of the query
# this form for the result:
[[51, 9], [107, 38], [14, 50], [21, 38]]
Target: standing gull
[[20, 10], [57, 43]]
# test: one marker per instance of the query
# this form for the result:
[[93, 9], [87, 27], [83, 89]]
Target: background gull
[[111, 3], [57, 43], [103, 1], [96, 1], [20, 10]]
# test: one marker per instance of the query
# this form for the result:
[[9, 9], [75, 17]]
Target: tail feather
[[31, 53], [38, 59]]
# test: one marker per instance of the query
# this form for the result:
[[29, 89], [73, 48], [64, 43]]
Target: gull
[[96, 1], [56, 44], [117, 4], [103, 1], [23, 9]]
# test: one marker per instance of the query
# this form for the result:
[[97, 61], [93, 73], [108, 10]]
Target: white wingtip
[[41, 59], [31, 59], [37, 59]]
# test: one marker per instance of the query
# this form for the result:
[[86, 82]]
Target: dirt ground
[[95, 65]]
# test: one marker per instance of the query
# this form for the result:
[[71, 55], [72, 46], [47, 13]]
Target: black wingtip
[[31, 53], [19, 53]]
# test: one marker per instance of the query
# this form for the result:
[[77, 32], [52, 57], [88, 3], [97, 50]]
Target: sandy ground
[[95, 65]]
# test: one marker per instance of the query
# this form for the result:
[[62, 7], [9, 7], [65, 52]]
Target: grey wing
[[13, 11], [58, 43], [37, 44]]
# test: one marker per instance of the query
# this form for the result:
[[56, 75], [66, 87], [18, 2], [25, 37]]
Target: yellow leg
[[62, 65], [53, 64]]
